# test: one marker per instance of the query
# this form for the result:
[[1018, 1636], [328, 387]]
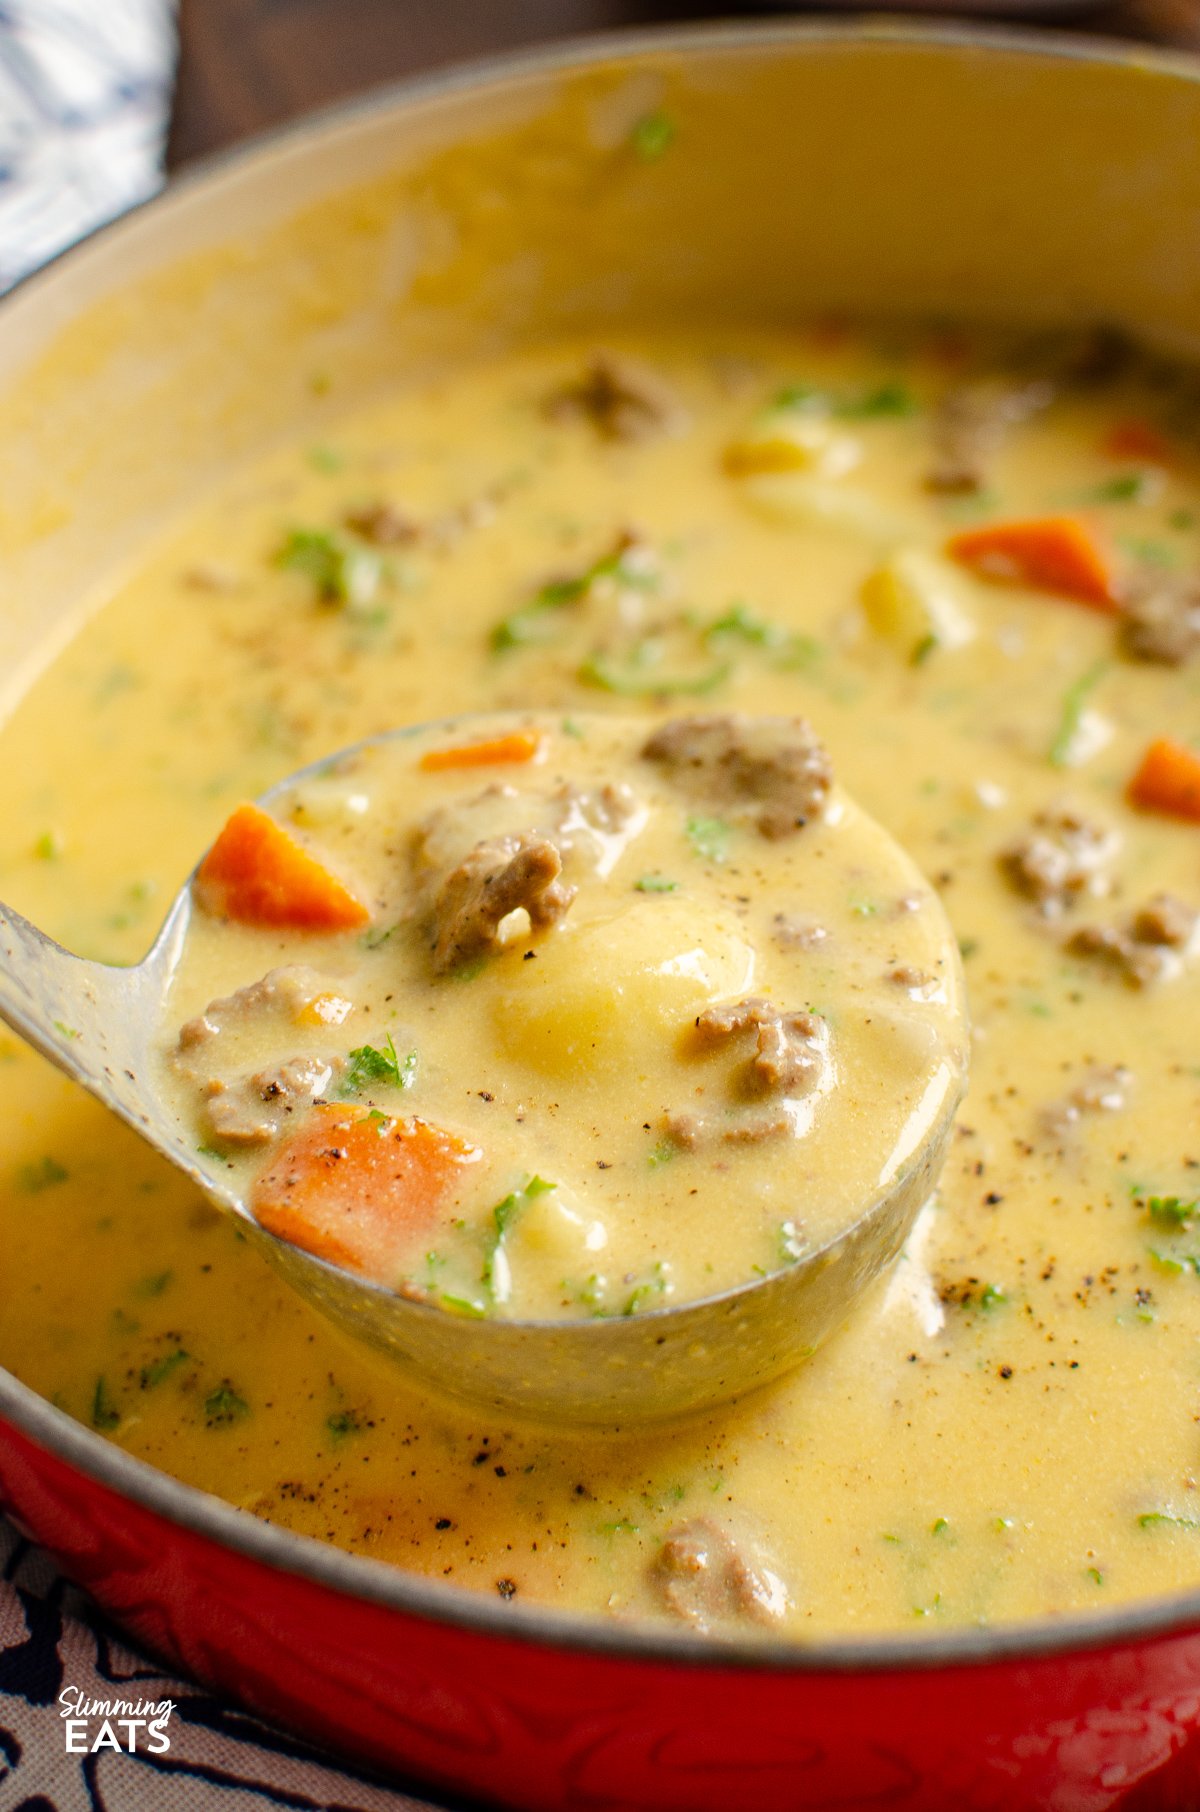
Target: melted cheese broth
[[611, 1158], [1007, 1427]]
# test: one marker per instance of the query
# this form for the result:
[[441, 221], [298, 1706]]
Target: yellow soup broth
[[1007, 1426]]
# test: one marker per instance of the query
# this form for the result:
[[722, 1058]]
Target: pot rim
[[377, 1582]]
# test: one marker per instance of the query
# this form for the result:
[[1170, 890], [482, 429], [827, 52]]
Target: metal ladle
[[99, 1024]]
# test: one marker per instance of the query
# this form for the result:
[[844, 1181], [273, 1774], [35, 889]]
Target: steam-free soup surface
[[970, 567], [653, 1047]]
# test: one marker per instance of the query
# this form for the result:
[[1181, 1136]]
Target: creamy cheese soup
[[603, 1020], [969, 565]]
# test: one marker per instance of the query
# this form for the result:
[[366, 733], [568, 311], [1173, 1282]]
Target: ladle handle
[[93, 1020]]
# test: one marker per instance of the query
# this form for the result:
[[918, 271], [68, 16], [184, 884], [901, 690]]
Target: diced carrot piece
[[518, 745], [259, 875], [1138, 440], [1168, 780], [1056, 553], [360, 1188]]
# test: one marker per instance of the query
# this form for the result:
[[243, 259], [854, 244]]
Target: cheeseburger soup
[[957, 575], [684, 1055]]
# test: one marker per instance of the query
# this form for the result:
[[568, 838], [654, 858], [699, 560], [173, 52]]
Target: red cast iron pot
[[874, 167]]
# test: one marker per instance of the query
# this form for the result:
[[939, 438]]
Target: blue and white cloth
[[59, 1659], [85, 98]]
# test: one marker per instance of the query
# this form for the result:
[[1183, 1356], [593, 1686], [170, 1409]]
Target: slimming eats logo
[[132, 1716]]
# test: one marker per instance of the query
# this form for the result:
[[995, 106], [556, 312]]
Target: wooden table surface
[[248, 64]]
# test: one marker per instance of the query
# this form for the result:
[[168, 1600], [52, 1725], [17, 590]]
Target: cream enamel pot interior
[[881, 167]]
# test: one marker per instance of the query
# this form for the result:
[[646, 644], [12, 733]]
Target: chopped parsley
[[341, 1423], [377, 936], [1154, 1519], [1124, 487], [885, 399], [342, 570], [224, 1405], [790, 1243], [739, 623], [105, 1414], [653, 134], [655, 884], [44, 1175], [1073, 706], [162, 1367], [326, 459], [1153, 552], [1171, 1209], [495, 1277], [148, 1287], [641, 678], [49, 846], [658, 1283], [709, 837], [591, 1294], [528, 624], [370, 1065], [1175, 1267], [879, 401]]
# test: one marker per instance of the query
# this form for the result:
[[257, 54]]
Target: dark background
[[248, 64]]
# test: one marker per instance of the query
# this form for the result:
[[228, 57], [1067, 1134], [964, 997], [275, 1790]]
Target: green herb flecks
[[789, 1243], [1175, 1265], [709, 838], [1171, 1209], [740, 624], [591, 1294], [147, 1288], [653, 134], [461, 1305], [49, 846], [224, 1405], [529, 624], [495, 1277], [655, 884], [341, 1423], [326, 459], [887, 399], [153, 1374], [1071, 716], [641, 677], [370, 1066], [1152, 551], [105, 1414], [46, 1174], [874, 402], [649, 1289], [1156, 1519], [378, 935], [1123, 487], [342, 570]]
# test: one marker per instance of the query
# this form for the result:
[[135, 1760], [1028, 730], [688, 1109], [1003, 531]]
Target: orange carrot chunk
[[360, 1188], [1055, 553], [1138, 440], [1168, 780], [259, 875], [518, 745]]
